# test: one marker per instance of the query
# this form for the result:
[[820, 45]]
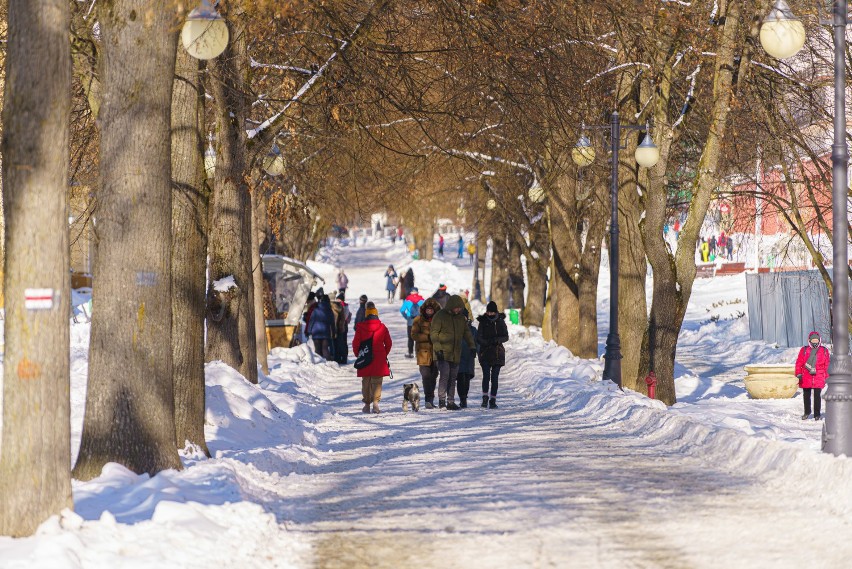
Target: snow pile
[[224, 284], [429, 274]]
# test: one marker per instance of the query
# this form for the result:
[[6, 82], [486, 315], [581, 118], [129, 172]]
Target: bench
[[704, 271], [730, 269]]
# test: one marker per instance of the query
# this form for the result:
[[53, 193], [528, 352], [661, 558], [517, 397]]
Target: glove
[[799, 376], [440, 355]]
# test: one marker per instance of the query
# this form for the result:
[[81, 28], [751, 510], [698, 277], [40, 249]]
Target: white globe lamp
[[647, 154], [491, 204], [583, 154], [273, 162], [205, 33], [782, 34]]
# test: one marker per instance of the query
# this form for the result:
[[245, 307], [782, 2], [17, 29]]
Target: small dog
[[411, 394]]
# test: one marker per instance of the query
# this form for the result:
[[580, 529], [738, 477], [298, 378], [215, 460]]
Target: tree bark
[[35, 456], [590, 265], [230, 313], [257, 203], [516, 274], [129, 415], [499, 272], [536, 290], [190, 205]]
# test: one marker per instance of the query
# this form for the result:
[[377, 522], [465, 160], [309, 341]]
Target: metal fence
[[784, 307]]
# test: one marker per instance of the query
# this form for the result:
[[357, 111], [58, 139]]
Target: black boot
[[442, 403], [463, 403], [493, 403], [484, 401]]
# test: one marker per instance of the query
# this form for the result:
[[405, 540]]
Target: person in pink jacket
[[812, 371]]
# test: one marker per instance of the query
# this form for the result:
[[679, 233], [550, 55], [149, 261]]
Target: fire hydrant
[[651, 382]]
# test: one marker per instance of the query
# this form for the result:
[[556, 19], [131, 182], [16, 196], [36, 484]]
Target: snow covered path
[[527, 485]]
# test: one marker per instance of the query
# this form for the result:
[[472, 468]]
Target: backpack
[[365, 353], [414, 311]]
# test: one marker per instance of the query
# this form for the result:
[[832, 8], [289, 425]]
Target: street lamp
[[837, 429], [647, 156], [205, 33], [490, 204], [536, 192], [273, 162], [782, 34], [210, 159]]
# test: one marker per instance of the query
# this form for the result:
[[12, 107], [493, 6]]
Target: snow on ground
[[568, 470]]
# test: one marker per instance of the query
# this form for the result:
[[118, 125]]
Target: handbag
[[365, 353]]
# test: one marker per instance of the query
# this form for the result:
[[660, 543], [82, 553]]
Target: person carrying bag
[[371, 344]]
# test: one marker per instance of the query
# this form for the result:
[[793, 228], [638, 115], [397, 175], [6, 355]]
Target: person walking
[[449, 330], [342, 318], [420, 328], [406, 283], [392, 282], [441, 295], [705, 250], [372, 375], [729, 243], [471, 250], [712, 245], [321, 327], [440, 246], [812, 371], [360, 314], [467, 363], [342, 284], [410, 309], [493, 333], [461, 247]]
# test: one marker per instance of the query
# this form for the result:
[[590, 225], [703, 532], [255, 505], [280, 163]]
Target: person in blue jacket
[[321, 327], [392, 282], [410, 309]]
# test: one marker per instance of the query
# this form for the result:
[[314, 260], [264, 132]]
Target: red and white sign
[[38, 298], [724, 209]]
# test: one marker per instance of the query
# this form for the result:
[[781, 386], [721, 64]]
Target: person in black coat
[[466, 365], [492, 334]]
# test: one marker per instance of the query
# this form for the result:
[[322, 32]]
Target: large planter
[[771, 381]]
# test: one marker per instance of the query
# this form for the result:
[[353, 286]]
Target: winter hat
[[442, 286], [414, 289], [363, 298], [371, 311], [814, 334], [491, 307], [341, 296]]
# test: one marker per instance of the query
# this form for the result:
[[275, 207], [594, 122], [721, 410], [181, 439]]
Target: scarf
[[811, 363]]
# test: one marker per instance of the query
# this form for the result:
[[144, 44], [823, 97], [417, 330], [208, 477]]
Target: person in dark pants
[[449, 331], [360, 314], [492, 334], [321, 328], [466, 365], [420, 328], [812, 371]]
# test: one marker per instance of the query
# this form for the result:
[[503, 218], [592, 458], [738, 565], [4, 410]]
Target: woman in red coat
[[812, 371], [371, 375]]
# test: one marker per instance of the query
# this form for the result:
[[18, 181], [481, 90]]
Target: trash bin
[[514, 316]]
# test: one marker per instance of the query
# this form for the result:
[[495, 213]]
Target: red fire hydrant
[[651, 382]]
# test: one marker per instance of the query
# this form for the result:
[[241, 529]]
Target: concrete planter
[[771, 381]]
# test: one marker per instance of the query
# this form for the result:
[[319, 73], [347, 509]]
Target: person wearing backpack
[[372, 344], [321, 327], [493, 333], [410, 309], [812, 371], [420, 328], [467, 363]]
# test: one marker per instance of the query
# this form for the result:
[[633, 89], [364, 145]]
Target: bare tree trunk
[[564, 279], [257, 203], [35, 478], [190, 204], [590, 264], [534, 309], [481, 253], [129, 415], [499, 271], [230, 313], [516, 274]]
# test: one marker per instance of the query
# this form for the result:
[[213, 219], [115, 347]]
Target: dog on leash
[[411, 394]]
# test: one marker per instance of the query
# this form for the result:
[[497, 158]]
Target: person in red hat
[[812, 371]]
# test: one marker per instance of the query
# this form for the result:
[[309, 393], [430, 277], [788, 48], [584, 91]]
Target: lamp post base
[[612, 359], [837, 429]]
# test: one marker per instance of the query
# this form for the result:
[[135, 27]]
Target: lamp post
[[783, 34], [647, 155]]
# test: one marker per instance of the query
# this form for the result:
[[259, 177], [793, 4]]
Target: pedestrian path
[[526, 485]]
